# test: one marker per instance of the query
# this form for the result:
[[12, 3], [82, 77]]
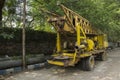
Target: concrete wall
[[37, 42]]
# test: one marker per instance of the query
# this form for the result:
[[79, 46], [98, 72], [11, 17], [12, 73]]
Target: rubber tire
[[103, 56], [88, 63]]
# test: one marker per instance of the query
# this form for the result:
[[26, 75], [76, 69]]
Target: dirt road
[[106, 70]]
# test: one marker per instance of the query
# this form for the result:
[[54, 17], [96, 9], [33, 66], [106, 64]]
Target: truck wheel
[[103, 56], [89, 63]]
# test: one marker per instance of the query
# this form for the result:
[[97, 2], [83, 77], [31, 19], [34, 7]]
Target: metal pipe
[[18, 63]]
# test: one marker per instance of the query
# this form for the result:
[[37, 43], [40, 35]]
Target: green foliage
[[6, 36], [103, 14]]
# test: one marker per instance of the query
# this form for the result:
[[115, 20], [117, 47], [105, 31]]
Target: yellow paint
[[95, 38], [90, 45], [105, 41], [55, 62], [68, 54], [100, 41], [84, 36], [74, 57], [58, 42], [81, 27], [78, 34]]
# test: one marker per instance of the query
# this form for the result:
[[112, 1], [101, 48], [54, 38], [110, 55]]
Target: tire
[[88, 63], [103, 56]]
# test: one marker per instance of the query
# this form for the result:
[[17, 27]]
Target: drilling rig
[[77, 41]]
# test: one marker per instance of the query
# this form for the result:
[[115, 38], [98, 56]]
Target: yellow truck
[[77, 41]]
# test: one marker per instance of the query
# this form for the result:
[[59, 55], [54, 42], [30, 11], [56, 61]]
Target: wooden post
[[23, 37]]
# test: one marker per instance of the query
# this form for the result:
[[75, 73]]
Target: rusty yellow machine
[[77, 41]]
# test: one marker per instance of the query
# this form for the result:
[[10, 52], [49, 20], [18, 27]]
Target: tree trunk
[[23, 37], [1, 7], [0, 17]]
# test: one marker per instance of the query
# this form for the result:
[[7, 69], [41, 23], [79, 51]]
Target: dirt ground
[[104, 70]]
